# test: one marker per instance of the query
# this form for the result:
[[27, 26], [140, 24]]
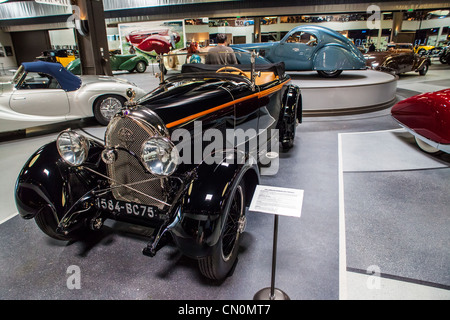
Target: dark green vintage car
[[126, 62]]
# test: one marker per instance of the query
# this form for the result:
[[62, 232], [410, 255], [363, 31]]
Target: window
[[34, 80], [303, 37]]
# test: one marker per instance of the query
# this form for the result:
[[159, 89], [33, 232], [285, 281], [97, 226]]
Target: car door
[[115, 62], [296, 50], [405, 61], [39, 95]]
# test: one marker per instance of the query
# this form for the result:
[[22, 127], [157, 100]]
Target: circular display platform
[[352, 92]]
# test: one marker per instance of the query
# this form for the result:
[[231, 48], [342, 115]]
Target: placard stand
[[276, 201], [272, 293]]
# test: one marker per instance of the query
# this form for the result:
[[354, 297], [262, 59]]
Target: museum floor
[[374, 222]]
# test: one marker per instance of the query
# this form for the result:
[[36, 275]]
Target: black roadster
[[156, 168]]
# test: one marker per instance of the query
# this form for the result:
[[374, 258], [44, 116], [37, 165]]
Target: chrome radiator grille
[[130, 133]]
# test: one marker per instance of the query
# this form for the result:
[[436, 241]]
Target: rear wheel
[[424, 70], [218, 265], [329, 73], [141, 66]]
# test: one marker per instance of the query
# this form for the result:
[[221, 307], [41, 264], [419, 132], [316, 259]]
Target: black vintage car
[[156, 168]]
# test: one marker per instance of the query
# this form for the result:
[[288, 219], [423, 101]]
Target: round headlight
[[160, 156], [72, 147]]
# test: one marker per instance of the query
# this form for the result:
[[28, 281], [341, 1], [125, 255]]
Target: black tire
[[47, 223], [443, 59], [329, 74], [424, 70], [218, 265], [106, 107], [141, 66]]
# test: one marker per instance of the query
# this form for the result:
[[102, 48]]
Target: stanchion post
[[272, 293]]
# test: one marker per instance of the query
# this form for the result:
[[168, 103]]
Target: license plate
[[122, 207]]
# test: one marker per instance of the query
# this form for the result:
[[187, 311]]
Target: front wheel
[[106, 107], [329, 73], [218, 265], [426, 147]]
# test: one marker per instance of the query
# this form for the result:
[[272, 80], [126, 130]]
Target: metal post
[[272, 293]]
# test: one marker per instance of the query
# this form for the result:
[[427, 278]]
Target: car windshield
[[18, 75]]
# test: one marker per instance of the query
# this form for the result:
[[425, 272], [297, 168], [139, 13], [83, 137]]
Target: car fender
[[422, 63], [292, 103], [84, 99], [130, 64], [336, 57], [74, 66], [291, 111], [155, 42], [201, 221], [47, 181]]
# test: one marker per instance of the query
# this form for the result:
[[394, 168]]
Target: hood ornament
[[131, 103]]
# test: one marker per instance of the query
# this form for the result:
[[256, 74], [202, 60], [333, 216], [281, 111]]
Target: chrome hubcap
[[109, 107]]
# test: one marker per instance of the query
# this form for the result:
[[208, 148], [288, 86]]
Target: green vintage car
[[126, 62]]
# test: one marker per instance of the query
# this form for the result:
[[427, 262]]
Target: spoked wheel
[[106, 107], [329, 73], [224, 253]]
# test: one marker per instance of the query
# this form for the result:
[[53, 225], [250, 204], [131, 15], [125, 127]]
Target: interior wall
[[6, 61], [29, 44]]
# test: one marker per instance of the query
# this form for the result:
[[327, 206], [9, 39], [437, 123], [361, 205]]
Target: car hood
[[88, 79], [109, 84], [252, 46], [176, 104]]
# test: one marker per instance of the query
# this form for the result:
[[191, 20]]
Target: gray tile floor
[[354, 216]]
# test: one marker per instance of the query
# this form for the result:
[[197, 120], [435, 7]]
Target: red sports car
[[427, 117], [161, 41]]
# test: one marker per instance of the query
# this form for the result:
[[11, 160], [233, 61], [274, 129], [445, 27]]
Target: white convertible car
[[44, 92]]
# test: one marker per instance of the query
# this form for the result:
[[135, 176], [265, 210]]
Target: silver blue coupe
[[306, 48]]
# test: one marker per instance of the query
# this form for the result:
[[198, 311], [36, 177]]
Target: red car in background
[[427, 117], [161, 41]]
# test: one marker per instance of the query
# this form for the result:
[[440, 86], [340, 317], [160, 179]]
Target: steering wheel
[[312, 42], [224, 69]]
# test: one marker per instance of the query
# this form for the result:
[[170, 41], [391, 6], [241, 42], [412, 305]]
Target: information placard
[[278, 201]]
